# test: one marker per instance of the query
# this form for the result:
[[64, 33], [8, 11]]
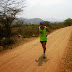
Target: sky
[[58, 9]]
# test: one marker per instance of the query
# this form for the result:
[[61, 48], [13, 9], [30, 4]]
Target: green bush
[[68, 22]]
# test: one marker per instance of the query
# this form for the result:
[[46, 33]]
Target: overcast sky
[[59, 9]]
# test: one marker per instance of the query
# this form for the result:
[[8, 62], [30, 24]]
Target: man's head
[[42, 23]]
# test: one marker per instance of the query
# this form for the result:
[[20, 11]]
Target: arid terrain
[[28, 57]]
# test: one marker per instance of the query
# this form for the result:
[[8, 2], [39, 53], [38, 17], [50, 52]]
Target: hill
[[29, 21]]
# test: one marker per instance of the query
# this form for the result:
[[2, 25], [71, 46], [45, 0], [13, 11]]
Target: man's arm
[[38, 31], [47, 31]]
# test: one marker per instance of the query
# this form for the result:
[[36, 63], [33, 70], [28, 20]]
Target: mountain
[[31, 21], [36, 20]]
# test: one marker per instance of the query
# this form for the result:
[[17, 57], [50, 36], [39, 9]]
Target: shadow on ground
[[41, 60]]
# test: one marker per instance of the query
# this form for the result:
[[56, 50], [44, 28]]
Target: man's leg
[[44, 47]]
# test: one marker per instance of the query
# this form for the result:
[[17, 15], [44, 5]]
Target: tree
[[8, 11], [68, 22]]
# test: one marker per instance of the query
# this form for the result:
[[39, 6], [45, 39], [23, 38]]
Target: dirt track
[[28, 57]]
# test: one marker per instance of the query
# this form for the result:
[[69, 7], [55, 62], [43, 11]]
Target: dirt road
[[28, 57]]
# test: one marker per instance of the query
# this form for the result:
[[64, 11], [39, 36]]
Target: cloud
[[45, 2], [48, 8]]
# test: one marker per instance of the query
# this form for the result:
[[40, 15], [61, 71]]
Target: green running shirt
[[43, 35]]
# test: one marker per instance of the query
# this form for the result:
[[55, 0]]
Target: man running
[[43, 32]]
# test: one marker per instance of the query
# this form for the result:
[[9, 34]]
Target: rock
[[1, 48], [33, 35]]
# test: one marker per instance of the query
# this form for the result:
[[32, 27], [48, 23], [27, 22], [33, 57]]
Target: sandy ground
[[28, 57], [66, 62]]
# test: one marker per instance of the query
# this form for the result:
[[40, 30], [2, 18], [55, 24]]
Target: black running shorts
[[43, 41]]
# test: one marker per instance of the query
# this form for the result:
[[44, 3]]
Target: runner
[[43, 32]]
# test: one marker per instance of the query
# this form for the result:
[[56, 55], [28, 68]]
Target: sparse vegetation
[[9, 33], [8, 12], [27, 31]]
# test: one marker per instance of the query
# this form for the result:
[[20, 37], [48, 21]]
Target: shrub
[[7, 41]]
